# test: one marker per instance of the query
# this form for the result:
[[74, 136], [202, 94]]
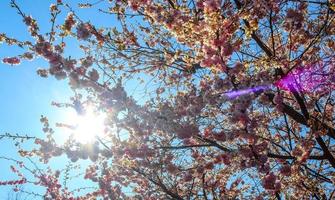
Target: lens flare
[[238, 93], [88, 125]]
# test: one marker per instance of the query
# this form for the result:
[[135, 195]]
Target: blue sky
[[24, 95]]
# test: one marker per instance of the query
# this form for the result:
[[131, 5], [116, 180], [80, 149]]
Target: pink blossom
[[218, 42], [295, 17], [270, 182], [264, 168], [278, 100], [133, 5], [200, 169], [188, 177], [11, 60], [43, 48], [211, 5], [227, 49], [285, 170], [187, 131], [69, 22], [226, 159], [87, 62], [200, 4], [28, 56], [220, 136], [43, 73], [84, 31], [94, 75], [28, 20]]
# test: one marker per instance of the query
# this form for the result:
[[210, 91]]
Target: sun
[[88, 126]]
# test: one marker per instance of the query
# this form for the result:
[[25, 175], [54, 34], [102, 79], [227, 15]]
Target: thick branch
[[326, 151], [300, 101], [215, 144], [296, 116]]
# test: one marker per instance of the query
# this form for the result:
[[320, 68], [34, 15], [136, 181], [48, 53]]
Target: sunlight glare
[[87, 126]]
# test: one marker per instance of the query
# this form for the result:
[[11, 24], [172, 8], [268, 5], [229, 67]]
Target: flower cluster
[[271, 182], [69, 23], [32, 24], [84, 31], [11, 60]]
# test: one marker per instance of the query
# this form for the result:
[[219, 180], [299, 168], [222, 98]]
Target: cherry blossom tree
[[239, 105]]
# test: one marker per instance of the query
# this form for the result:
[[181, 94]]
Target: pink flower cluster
[[11, 60], [83, 151], [295, 18], [47, 150], [223, 158], [187, 131], [31, 23], [135, 4], [84, 31], [271, 182], [21, 181], [13, 182], [69, 22], [45, 49], [141, 152], [286, 170], [210, 5], [42, 72]]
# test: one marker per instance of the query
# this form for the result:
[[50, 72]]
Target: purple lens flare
[[313, 78], [316, 78], [237, 93]]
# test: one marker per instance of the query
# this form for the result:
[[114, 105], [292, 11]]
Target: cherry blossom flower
[[84, 31], [11, 60]]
